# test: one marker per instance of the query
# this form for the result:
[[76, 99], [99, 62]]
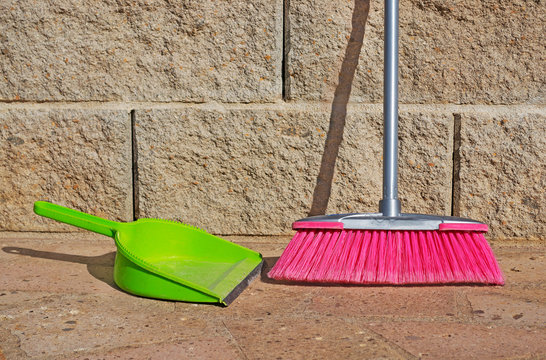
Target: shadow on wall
[[323, 187]]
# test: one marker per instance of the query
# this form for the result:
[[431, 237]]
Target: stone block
[[425, 163], [462, 52], [74, 157], [141, 50], [502, 178], [228, 171], [243, 170]]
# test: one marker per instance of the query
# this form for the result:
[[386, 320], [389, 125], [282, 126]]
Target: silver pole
[[390, 205]]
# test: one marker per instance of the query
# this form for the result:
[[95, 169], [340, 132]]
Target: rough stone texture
[[310, 338], [141, 50], [234, 171], [228, 171], [520, 302], [62, 262], [464, 341], [76, 158], [384, 301], [205, 347], [524, 266], [57, 322], [500, 309], [425, 163], [464, 52], [502, 177]]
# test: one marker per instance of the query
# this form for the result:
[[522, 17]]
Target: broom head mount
[[376, 221]]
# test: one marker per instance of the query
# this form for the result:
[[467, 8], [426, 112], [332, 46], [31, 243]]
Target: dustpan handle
[[76, 218], [390, 205]]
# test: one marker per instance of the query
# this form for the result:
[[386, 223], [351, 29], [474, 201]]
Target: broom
[[388, 247]]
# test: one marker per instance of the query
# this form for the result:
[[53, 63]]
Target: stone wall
[[216, 113]]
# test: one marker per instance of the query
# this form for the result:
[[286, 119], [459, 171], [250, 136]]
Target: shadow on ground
[[100, 267]]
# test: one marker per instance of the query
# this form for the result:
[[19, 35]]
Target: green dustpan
[[169, 260]]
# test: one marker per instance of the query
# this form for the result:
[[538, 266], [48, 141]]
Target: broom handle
[[390, 205]]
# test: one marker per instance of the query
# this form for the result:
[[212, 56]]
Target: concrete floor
[[58, 301]]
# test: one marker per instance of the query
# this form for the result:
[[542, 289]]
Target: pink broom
[[388, 247]]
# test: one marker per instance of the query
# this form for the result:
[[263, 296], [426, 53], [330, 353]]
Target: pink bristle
[[451, 259], [441, 267], [309, 254], [298, 257], [485, 254], [397, 268], [458, 252], [388, 257], [352, 257], [468, 258], [421, 251], [434, 266], [413, 259], [382, 258], [490, 267], [413, 267], [405, 255], [452, 268], [284, 260], [321, 251], [302, 257], [478, 266], [317, 274], [344, 246], [358, 272], [389, 262], [370, 270], [297, 242]]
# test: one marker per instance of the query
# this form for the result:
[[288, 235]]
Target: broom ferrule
[[390, 207]]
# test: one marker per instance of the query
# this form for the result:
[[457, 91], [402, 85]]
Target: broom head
[[371, 249]]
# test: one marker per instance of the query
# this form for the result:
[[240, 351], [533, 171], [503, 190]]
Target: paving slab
[[463, 341], [204, 347], [523, 266], [68, 312], [309, 338], [396, 302], [503, 309], [70, 266]]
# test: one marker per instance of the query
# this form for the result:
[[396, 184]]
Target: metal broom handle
[[390, 205]]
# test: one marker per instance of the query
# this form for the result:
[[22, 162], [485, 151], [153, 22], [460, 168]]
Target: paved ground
[[58, 301]]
